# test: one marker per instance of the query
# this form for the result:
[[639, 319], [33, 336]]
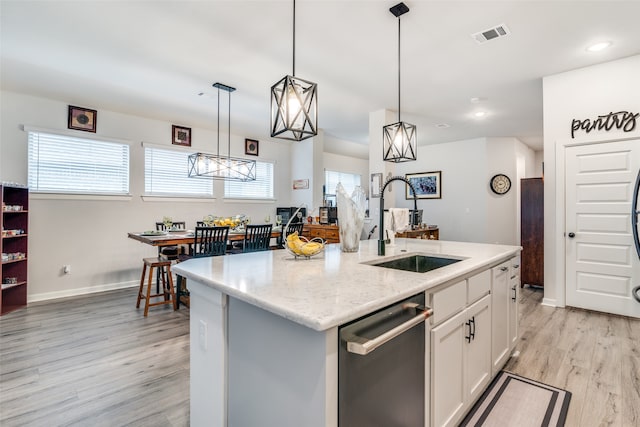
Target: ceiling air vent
[[491, 34]]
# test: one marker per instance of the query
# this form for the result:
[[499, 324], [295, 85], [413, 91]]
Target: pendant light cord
[[218, 152], [229, 128], [294, 38], [398, 69]]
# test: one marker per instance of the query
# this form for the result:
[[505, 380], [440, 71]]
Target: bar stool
[[167, 288]]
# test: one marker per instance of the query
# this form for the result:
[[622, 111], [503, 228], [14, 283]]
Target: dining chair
[[170, 252], [256, 237], [207, 241], [292, 228]]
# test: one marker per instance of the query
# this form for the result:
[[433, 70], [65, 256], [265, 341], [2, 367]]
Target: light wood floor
[[593, 355], [96, 361]]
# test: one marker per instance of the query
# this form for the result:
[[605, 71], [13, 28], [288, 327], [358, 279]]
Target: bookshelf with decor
[[14, 225]]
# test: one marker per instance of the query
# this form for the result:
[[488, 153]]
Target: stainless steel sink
[[415, 262]]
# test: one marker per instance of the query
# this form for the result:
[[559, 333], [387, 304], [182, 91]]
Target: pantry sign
[[624, 120]]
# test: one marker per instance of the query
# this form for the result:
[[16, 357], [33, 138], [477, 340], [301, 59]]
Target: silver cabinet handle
[[634, 293], [367, 346]]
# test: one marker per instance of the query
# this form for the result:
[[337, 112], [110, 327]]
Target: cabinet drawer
[[515, 267], [478, 286], [448, 301], [316, 233], [331, 234]]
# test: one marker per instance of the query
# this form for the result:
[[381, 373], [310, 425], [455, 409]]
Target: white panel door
[[601, 261]]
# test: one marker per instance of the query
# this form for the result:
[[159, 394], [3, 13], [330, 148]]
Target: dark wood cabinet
[[14, 225], [532, 231], [431, 233], [329, 233]]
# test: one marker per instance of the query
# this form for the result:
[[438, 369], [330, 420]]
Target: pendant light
[[222, 167], [399, 139], [294, 103]]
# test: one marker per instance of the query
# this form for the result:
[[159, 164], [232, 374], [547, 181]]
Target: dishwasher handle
[[367, 346]]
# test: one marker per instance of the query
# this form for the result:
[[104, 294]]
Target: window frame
[[61, 193], [256, 199], [174, 195]]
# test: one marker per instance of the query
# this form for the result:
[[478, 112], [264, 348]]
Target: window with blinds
[[66, 164], [261, 188], [166, 173], [349, 181]]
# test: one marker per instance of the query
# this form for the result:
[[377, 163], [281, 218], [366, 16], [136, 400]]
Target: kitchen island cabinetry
[[461, 352], [265, 341]]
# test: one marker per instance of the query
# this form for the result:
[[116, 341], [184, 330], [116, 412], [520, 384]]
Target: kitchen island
[[264, 326]]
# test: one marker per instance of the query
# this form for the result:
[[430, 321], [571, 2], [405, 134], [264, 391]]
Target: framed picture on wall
[[82, 119], [181, 135], [426, 184], [251, 147]]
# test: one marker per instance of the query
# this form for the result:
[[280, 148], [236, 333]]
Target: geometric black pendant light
[[400, 138], [219, 166], [294, 103]]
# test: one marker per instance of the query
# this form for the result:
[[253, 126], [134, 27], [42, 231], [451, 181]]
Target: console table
[[431, 233], [329, 233]]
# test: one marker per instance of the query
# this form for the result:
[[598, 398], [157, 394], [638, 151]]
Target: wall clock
[[500, 184]]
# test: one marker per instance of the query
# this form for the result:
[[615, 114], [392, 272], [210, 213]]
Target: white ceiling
[[152, 58]]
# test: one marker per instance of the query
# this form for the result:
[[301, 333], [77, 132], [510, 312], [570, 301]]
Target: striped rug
[[512, 400]]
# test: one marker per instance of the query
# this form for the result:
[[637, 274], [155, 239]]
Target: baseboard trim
[[551, 302], [46, 296]]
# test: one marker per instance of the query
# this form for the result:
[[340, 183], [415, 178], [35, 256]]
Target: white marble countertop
[[333, 288]]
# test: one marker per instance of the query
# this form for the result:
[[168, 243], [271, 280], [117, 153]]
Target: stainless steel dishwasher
[[381, 365]]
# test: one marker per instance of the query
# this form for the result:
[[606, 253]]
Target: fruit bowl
[[301, 247]]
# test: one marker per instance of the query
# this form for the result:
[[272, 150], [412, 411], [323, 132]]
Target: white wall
[[580, 94], [91, 234], [468, 210]]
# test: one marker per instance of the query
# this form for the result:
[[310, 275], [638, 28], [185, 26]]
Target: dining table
[[160, 239], [185, 237]]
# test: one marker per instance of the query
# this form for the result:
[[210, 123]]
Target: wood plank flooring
[[96, 361], [593, 355]]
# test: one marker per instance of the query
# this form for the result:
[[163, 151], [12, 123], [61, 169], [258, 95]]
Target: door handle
[[468, 337], [513, 298], [634, 215], [571, 235], [473, 323], [634, 293], [365, 346]]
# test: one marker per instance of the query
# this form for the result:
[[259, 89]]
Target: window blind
[[66, 164], [166, 173], [332, 178], [261, 188]]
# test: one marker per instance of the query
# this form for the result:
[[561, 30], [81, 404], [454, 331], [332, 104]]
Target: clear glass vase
[[351, 211]]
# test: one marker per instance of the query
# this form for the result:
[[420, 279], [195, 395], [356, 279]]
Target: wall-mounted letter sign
[[624, 120]]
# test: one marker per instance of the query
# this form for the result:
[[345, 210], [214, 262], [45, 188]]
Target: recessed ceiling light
[[598, 46], [480, 114], [478, 99]]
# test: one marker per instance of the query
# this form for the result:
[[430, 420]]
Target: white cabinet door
[[478, 349], [447, 370], [461, 362], [513, 306], [500, 290], [513, 312]]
